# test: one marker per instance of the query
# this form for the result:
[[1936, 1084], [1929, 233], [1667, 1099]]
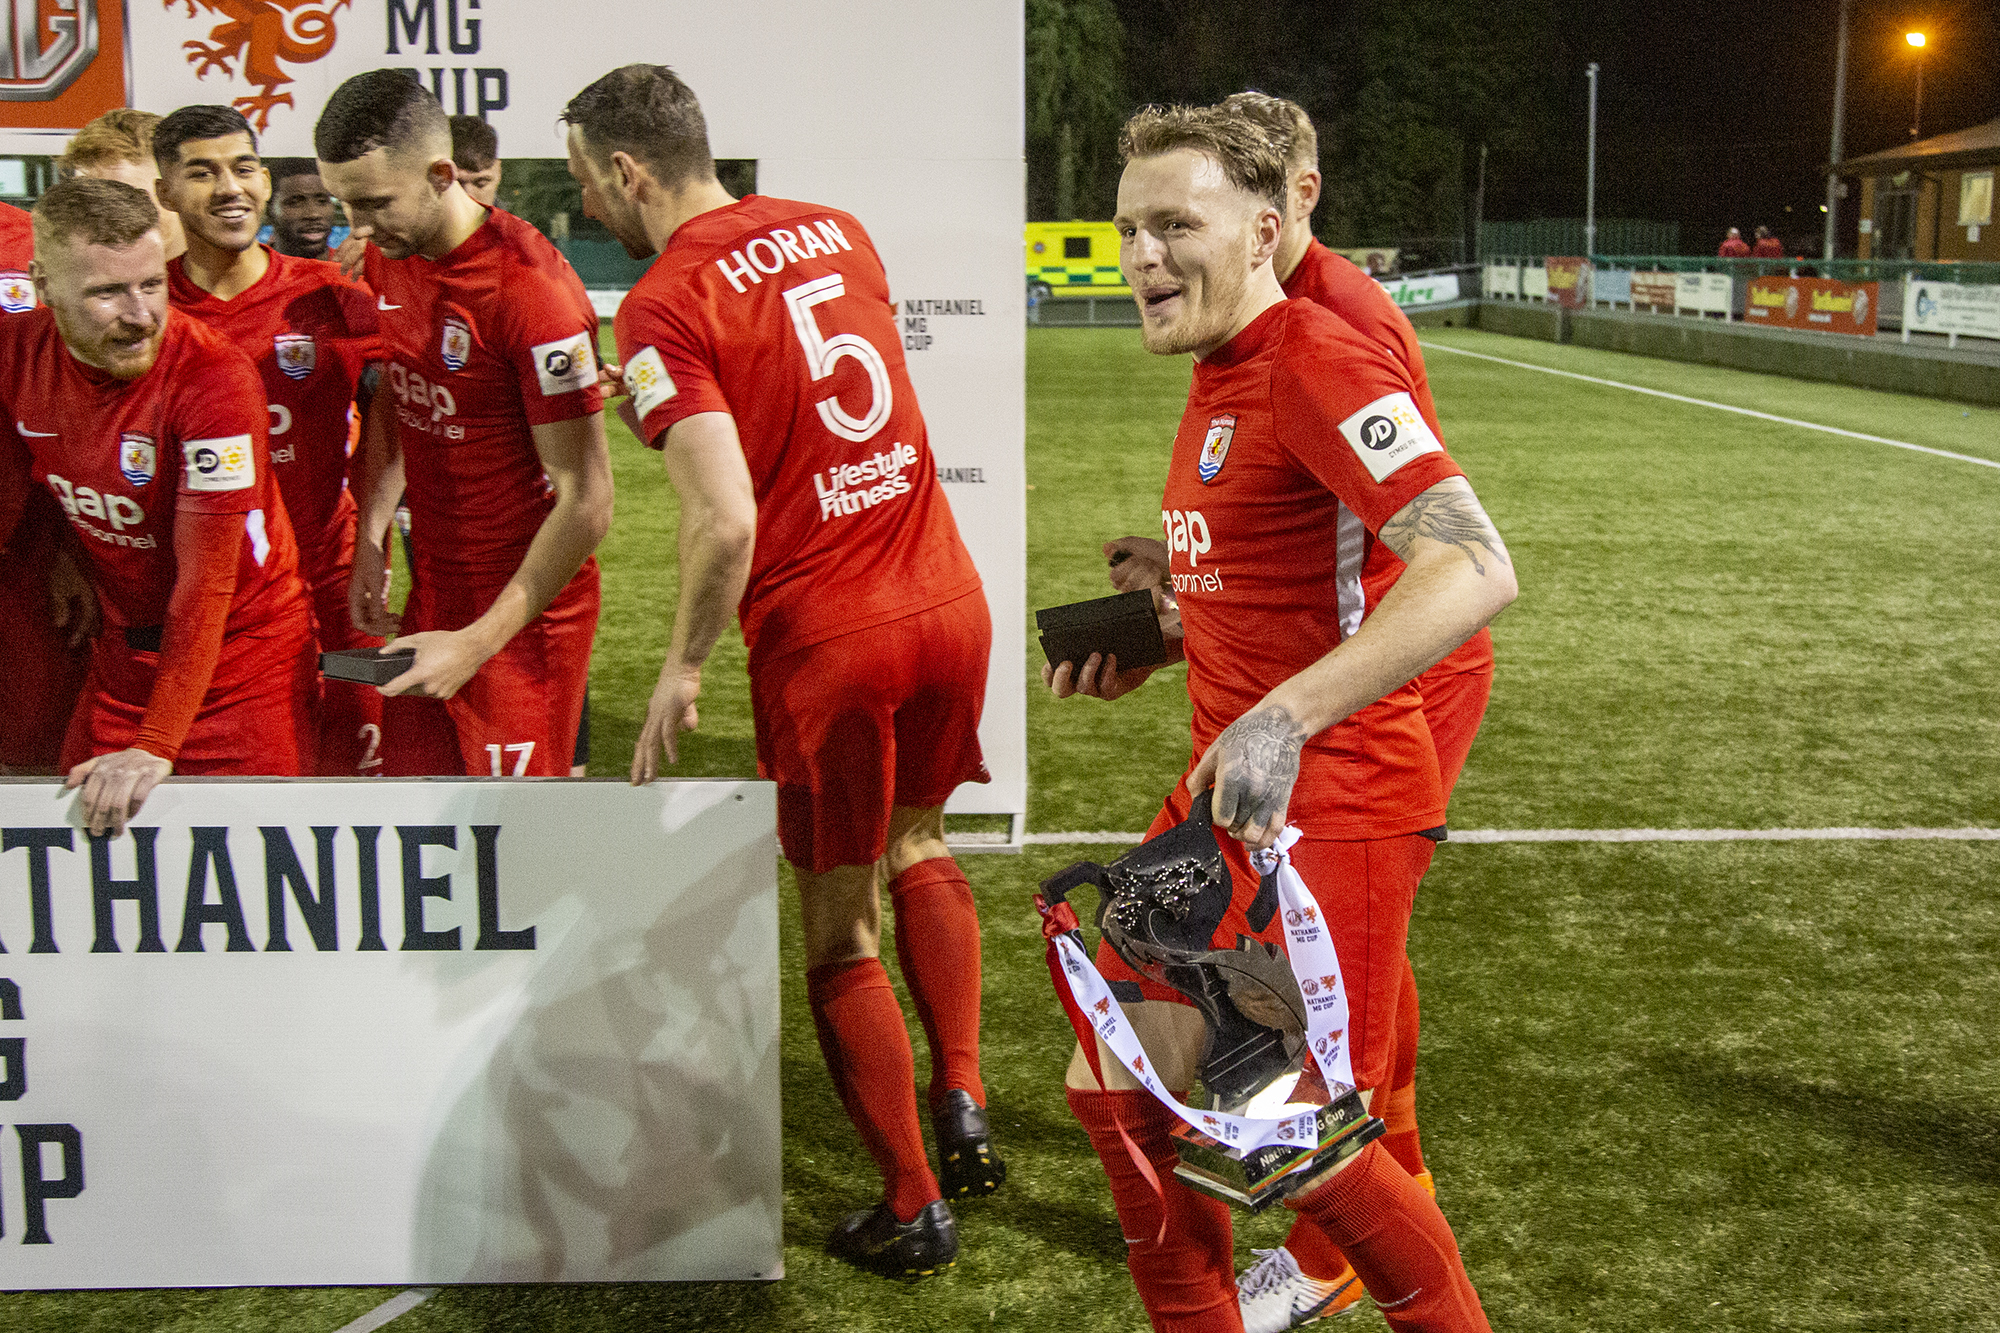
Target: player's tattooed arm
[[1449, 513], [1253, 765]]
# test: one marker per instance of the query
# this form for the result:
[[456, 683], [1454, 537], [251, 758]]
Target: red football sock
[[1400, 1244], [937, 942], [1182, 1268], [867, 1051], [1398, 1109]]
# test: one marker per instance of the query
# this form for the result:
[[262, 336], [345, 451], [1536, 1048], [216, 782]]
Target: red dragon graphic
[[259, 34]]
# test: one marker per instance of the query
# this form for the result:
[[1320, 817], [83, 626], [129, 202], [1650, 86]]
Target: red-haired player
[[763, 359], [149, 429], [491, 346], [312, 335]]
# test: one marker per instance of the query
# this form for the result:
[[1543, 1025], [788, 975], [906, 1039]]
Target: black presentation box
[[365, 665], [1124, 625]]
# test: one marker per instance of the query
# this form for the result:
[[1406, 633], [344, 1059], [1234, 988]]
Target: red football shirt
[[1301, 438], [482, 345], [778, 313], [310, 332], [122, 457], [1338, 284], [17, 248]]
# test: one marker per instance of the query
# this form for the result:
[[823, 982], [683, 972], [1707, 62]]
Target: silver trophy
[[1159, 907]]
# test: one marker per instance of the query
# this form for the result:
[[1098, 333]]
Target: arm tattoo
[[1445, 514], [1259, 764]]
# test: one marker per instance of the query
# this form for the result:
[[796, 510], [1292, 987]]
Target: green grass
[[1726, 1086]]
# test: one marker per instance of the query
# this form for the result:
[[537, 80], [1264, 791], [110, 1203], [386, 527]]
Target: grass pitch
[[1742, 1086]]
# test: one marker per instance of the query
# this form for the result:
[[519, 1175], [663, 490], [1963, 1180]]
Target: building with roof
[[1932, 199]]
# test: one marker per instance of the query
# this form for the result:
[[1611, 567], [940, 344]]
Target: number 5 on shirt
[[823, 354]]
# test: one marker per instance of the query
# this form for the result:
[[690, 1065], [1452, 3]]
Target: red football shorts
[[517, 716], [257, 719], [1454, 706], [350, 713], [882, 717], [43, 674], [1366, 890]]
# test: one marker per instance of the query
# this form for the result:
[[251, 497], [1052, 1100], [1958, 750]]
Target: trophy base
[[1257, 1179]]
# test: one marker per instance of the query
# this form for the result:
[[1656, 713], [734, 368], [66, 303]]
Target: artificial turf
[[1740, 1086]]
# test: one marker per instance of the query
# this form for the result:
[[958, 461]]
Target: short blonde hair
[[119, 136], [1240, 147], [1284, 122]]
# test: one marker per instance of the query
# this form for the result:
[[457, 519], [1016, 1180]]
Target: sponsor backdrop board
[[1819, 304], [391, 1032], [1611, 284], [1704, 293], [1430, 289], [1951, 308], [1655, 289], [930, 160], [1568, 279]]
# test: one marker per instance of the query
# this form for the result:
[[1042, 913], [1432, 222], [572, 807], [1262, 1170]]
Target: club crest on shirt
[[456, 345], [297, 354], [1215, 445], [17, 292], [137, 457]]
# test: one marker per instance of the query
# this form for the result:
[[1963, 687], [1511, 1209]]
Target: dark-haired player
[[149, 429], [500, 440], [1301, 440], [763, 360], [302, 214], [475, 151], [312, 335]]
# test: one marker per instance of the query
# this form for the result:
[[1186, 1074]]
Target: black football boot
[[873, 1239], [967, 1164]]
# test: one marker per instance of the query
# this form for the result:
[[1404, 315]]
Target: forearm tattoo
[[1448, 514], [1259, 763]]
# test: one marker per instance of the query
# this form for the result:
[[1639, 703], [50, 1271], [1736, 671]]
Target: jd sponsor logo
[[1378, 433]]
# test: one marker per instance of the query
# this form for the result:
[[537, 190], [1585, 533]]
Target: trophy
[[1159, 907]]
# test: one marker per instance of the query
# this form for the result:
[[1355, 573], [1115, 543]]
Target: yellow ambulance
[[1074, 259]]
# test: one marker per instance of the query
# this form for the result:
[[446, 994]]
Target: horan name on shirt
[[849, 488], [779, 247]]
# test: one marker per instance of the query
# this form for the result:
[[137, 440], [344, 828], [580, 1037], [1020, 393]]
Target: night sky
[[1715, 114]]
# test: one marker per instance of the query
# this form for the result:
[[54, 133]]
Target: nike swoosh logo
[[382, 303], [22, 426]]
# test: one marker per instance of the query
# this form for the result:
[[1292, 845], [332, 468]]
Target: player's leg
[[44, 674], [418, 738], [350, 713], [939, 679], [260, 717], [1383, 1220], [517, 716], [824, 735]]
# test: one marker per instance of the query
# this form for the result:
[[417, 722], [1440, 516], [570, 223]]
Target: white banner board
[[1426, 289], [909, 117], [1503, 280], [1951, 308], [1534, 282], [1704, 293], [376, 1032]]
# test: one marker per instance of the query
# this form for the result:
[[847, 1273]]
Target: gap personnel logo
[[455, 345], [43, 53], [17, 292], [297, 354], [256, 35], [1215, 446], [137, 457]]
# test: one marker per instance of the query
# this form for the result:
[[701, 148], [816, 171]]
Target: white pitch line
[[392, 1309], [1720, 407], [1627, 835]]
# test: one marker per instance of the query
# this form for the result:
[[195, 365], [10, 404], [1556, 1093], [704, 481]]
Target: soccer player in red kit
[[500, 441], [763, 360], [312, 335], [149, 429], [1299, 437], [44, 658]]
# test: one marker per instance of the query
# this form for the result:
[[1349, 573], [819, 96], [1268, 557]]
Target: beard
[[1203, 324]]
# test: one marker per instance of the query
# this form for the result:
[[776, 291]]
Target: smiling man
[[491, 354], [149, 430], [1301, 445], [312, 335], [302, 212]]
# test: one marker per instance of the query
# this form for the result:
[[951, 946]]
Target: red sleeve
[[669, 365], [1359, 431], [207, 548], [550, 343], [220, 428], [363, 341], [14, 474]]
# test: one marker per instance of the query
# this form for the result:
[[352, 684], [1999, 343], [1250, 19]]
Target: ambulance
[[1073, 259]]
